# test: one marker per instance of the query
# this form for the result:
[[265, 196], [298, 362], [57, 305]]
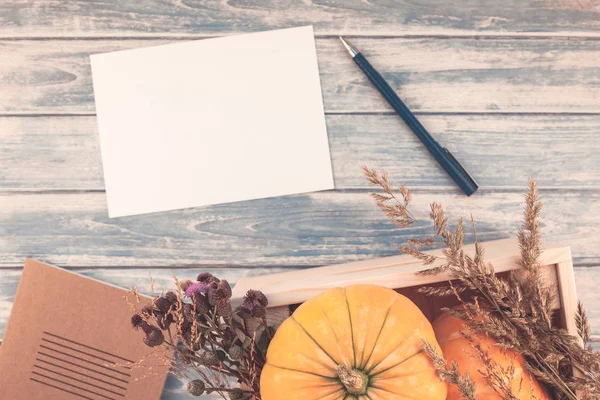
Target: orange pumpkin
[[362, 342], [457, 348]]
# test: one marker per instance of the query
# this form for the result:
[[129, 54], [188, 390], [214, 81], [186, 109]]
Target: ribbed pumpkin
[[362, 342], [456, 347]]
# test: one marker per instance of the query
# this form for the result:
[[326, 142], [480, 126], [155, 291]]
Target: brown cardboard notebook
[[69, 338]]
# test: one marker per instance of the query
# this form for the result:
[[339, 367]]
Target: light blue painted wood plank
[[313, 229], [452, 75], [502, 151], [379, 17]]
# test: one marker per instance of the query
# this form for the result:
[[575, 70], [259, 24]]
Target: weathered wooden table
[[511, 87]]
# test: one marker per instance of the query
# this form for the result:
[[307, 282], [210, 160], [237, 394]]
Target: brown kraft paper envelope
[[69, 338]]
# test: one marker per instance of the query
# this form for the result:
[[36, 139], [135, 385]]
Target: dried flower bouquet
[[214, 342]]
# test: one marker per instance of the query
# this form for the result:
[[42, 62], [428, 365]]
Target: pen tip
[[353, 52]]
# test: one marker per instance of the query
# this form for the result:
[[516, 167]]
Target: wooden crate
[[286, 291]]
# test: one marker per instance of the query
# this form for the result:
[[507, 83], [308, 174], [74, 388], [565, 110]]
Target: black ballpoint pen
[[441, 154]]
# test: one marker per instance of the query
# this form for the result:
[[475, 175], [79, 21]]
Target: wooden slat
[[451, 75], [22, 18], [502, 151], [313, 229]]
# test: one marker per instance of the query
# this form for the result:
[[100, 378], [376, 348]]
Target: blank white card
[[211, 121]]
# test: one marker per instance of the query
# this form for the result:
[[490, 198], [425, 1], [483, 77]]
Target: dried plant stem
[[517, 311], [452, 375]]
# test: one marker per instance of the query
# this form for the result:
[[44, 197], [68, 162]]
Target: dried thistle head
[[137, 321], [196, 387], [219, 292], [154, 337], [197, 288], [254, 304], [162, 304]]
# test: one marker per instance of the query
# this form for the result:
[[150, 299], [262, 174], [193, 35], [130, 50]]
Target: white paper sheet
[[211, 121]]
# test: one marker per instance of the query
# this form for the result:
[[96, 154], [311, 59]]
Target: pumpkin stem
[[353, 380]]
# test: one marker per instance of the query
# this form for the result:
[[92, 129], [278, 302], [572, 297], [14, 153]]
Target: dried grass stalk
[[515, 312]]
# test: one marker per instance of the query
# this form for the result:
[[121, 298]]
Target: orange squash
[[362, 342], [457, 348]]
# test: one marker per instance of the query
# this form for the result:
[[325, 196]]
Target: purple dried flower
[[162, 304], [255, 303], [172, 297], [147, 310], [147, 328], [196, 387], [226, 288], [197, 288], [206, 277], [154, 338], [256, 297], [137, 320], [219, 291]]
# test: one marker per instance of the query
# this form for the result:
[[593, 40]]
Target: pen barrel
[[441, 154], [392, 98]]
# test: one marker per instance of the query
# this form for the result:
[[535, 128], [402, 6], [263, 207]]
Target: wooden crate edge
[[397, 272]]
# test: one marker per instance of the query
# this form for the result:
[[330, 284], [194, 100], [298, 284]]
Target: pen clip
[[461, 167]]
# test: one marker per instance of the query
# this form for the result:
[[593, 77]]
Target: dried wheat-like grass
[[516, 311], [451, 374]]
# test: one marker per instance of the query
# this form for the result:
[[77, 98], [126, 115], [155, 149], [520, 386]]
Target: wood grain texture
[[502, 151], [73, 230], [474, 65], [450, 75], [380, 17]]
